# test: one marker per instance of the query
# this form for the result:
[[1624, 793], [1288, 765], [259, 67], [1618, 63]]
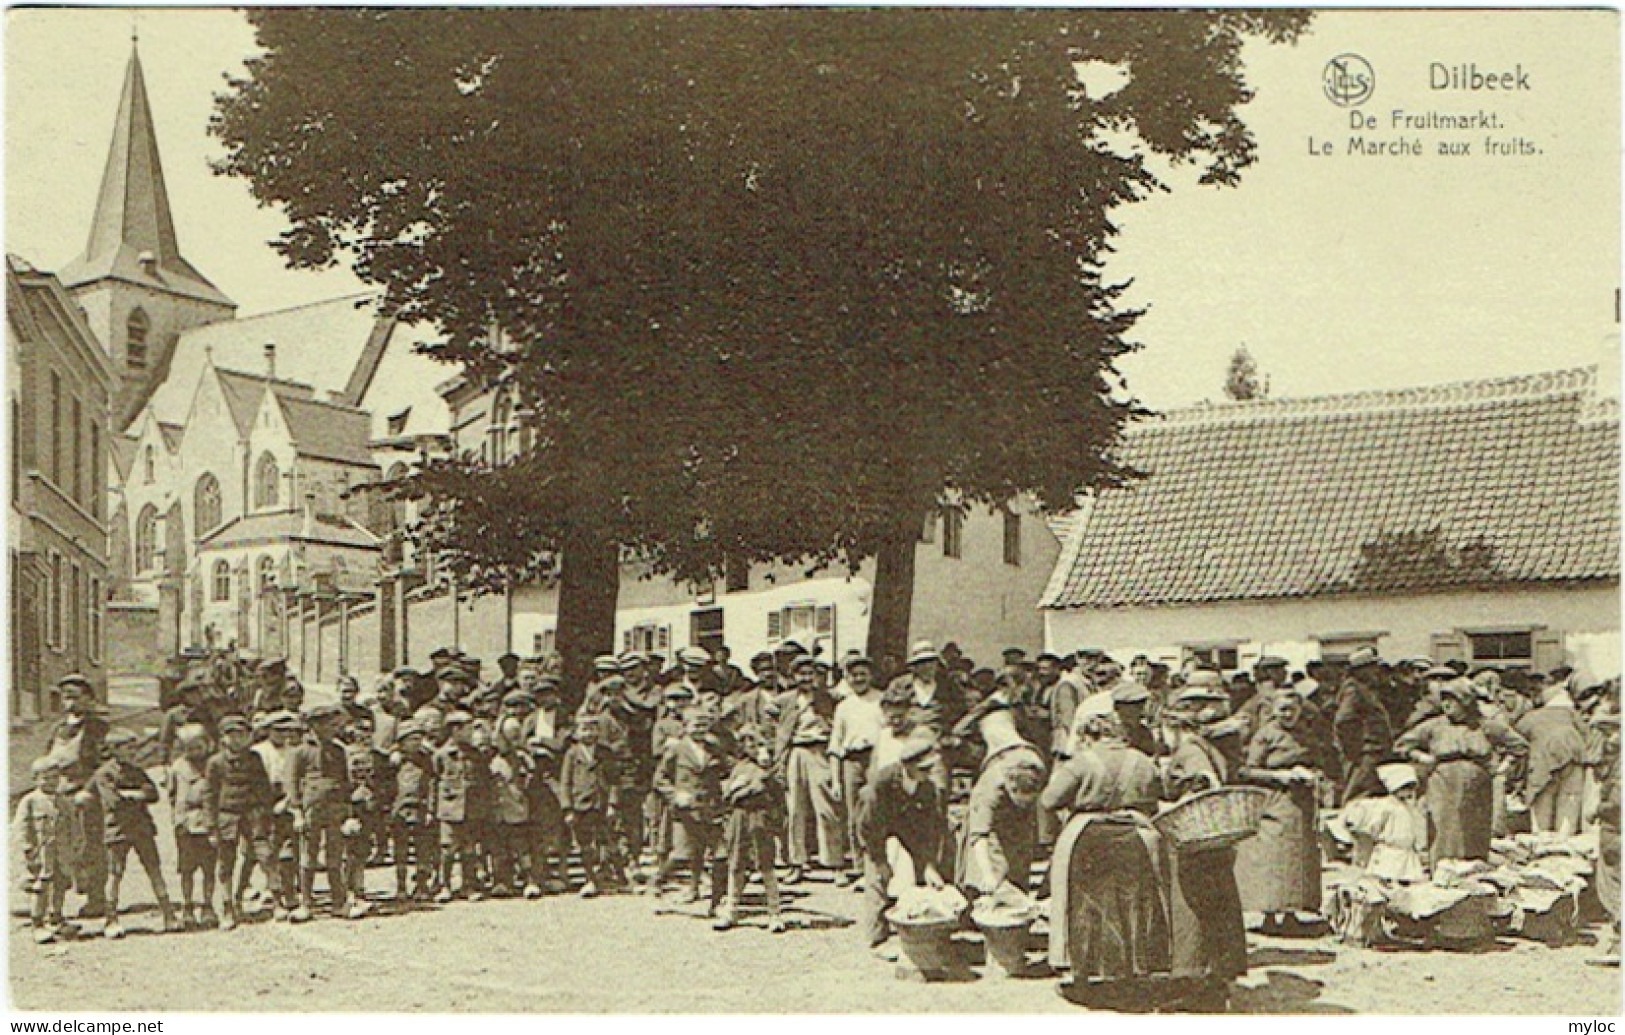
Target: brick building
[[59, 385]]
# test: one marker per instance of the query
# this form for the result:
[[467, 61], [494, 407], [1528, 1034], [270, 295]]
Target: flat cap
[[318, 712], [459, 718], [234, 722], [606, 663], [1362, 657], [1128, 691], [693, 656]]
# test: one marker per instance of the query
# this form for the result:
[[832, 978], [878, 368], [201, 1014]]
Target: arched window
[[206, 504], [222, 581], [501, 417], [266, 579], [148, 470], [146, 539], [267, 482], [136, 328]]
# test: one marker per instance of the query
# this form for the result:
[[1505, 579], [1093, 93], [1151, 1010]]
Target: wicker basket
[[929, 946], [1213, 819]]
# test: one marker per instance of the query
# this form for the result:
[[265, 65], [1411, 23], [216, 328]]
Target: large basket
[[1213, 819], [929, 946]]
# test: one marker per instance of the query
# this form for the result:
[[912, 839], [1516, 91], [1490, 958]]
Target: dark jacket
[[238, 784], [587, 782]]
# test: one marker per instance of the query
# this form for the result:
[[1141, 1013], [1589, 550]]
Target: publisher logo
[[1348, 80]]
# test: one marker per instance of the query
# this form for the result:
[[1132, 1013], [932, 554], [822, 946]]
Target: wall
[[133, 641], [1587, 616]]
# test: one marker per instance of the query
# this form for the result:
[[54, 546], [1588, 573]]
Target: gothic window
[[146, 539], [148, 474], [222, 581], [267, 573], [267, 482], [136, 329], [206, 504]]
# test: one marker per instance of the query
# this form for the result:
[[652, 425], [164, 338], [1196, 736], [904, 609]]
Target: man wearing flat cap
[[508, 666], [802, 762], [76, 742], [901, 806], [1360, 724], [272, 675]]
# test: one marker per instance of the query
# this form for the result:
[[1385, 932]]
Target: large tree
[[771, 281]]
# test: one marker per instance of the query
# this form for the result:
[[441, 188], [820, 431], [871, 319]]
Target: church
[[235, 439]]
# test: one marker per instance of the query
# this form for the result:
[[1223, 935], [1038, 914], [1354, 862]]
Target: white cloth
[[856, 724]]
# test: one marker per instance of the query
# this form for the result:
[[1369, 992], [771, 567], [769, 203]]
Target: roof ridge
[[1575, 380], [313, 401], [370, 293], [265, 379]]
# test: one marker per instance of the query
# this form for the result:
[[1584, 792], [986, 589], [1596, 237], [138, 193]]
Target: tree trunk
[[893, 603], [589, 585]]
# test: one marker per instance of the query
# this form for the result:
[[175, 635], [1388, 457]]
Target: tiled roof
[[319, 344], [243, 392], [326, 430], [1474, 484], [289, 524]]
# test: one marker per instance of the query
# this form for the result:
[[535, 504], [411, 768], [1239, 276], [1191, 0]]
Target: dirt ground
[[639, 955]]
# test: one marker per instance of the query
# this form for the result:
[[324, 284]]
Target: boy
[[41, 827], [511, 773], [689, 778], [125, 792], [411, 831], [547, 739], [319, 787], [462, 789], [751, 796], [283, 735], [239, 801], [587, 792], [369, 798], [189, 812]]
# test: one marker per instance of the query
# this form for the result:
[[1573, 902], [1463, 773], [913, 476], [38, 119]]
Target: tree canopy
[[768, 280]]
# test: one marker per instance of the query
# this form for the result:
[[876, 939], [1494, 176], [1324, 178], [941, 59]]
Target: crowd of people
[[695, 778]]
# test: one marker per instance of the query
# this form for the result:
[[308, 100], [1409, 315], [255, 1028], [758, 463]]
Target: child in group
[[284, 732], [511, 773], [462, 789], [547, 740], [689, 778], [750, 796], [194, 832], [239, 802], [371, 787], [126, 793], [1391, 831], [41, 827], [411, 814], [319, 787], [587, 788]]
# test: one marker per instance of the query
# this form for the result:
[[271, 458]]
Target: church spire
[[133, 234]]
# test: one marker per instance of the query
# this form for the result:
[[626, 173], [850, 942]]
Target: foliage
[[1243, 382]]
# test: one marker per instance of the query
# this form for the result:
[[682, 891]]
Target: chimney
[[270, 360], [308, 527]]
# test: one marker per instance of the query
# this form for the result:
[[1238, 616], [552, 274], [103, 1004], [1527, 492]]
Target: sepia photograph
[[809, 510]]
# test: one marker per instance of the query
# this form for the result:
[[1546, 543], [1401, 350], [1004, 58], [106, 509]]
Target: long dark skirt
[[1116, 927], [1461, 802], [1204, 906], [1278, 871]]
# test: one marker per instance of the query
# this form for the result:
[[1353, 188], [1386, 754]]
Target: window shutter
[[1548, 649], [1449, 646], [626, 641], [825, 620], [775, 625], [664, 639]]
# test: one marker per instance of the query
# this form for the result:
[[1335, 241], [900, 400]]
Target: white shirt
[[856, 725]]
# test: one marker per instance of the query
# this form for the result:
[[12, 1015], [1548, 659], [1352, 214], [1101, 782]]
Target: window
[[53, 604], [148, 471], [56, 429], [266, 579], [146, 539], [136, 328], [501, 418], [737, 577], [542, 643], [1508, 647], [73, 620], [397, 422], [647, 638], [953, 532], [78, 452], [93, 620], [705, 629], [16, 452], [221, 582], [807, 623], [1012, 538], [267, 482], [206, 504], [1222, 656]]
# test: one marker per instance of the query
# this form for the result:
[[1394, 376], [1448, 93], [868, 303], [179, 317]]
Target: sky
[[1338, 273]]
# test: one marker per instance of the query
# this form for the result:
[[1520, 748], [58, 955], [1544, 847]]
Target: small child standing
[[1391, 831], [587, 785], [411, 814], [512, 769], [41, 827], [283, 735], [239, 800], [750, 796], [462, 786], [319, 787], [689, 778], [194, 830], [126, 793], [371, 789]]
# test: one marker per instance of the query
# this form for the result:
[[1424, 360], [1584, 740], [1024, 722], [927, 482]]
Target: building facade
[[1477, 521], [59, 388]]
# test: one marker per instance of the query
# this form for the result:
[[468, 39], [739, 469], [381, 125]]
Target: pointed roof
[[132, 210]]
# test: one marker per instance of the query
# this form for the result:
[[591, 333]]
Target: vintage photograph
[[813, 511]]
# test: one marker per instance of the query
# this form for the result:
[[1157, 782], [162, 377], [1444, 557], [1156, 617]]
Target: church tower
[[137, 291]]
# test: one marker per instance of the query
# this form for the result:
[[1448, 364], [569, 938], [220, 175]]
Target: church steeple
[[136, 289], [133, 234]]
